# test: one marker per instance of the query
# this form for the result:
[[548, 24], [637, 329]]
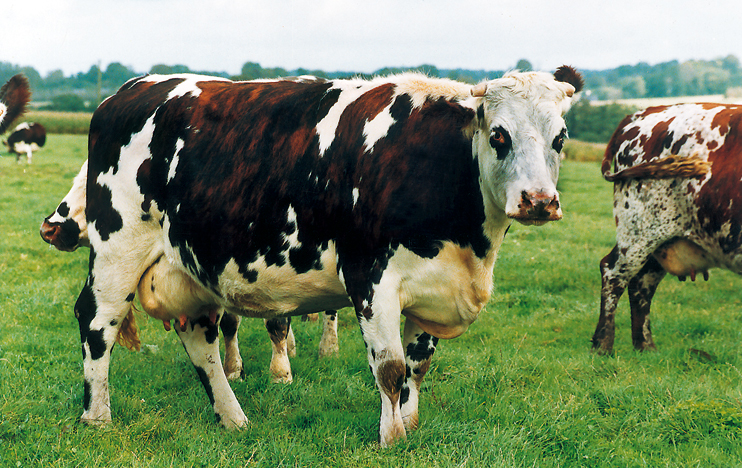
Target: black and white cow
[[14, 97], [677, 202], [25, 139], [66, 229], [279, 198]]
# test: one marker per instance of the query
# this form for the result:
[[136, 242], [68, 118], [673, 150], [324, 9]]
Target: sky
[[363, 36]]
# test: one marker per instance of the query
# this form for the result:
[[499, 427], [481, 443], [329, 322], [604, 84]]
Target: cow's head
[[518, 140], [66, 228]]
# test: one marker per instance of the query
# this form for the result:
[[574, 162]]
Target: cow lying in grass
[[677, 201], [66, 229]]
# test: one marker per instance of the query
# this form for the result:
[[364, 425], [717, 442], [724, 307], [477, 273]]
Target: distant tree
[[54, 77], [730, 63], [251, 71], [524, 65], [67, 103], [161, 69], [596, 124], [117, 74], [633, 87]]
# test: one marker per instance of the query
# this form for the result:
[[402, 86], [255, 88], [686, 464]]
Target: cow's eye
[[558, 143], [500, 142]]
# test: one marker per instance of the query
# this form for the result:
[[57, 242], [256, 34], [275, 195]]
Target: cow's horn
[[479, 90]]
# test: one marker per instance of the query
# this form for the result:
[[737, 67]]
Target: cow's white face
[[520, 135]]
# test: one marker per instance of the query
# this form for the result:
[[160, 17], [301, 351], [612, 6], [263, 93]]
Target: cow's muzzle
[[63, 236], [537, 208]]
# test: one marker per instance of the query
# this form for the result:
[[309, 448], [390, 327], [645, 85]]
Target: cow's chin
[[534, 222]]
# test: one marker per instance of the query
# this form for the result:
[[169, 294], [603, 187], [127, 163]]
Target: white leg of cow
[[229, 325], [291, 343], [280, 367], [328, 344], [419, 348], [378, 312], [100, 310], [29, 155], [201, 342]]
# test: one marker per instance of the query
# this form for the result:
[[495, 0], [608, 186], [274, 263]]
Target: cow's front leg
[[419, 348], [378, 311], [201, 341], [229, 325], [641, 290], [279, 330]]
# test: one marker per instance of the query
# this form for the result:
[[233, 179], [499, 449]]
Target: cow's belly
[[280, 291], [24, 147], [444, 295]]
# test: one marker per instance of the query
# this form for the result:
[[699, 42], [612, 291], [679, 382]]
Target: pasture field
[[520, 388]]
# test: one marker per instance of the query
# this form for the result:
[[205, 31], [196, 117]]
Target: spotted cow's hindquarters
[[201, 341], [419, 348]]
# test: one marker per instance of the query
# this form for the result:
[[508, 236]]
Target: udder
[[682, 258]]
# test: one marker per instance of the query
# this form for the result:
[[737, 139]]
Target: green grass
[[520, 388], [77, 123]]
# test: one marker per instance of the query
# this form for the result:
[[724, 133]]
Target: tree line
[[83, 91]]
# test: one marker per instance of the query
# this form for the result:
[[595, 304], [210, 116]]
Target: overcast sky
[[351, 35]]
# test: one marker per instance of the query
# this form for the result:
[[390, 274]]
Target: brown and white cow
[[14, 97], [285, 197], [677, 203], [66, 229], [25, 139]]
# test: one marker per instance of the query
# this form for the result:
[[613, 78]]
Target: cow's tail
[[666, 168], [14, 97], [129, 332]]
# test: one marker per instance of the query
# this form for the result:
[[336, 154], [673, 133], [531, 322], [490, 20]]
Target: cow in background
[[14, 97], [277, 198], [66, 229], [677, 202], [25, 139]]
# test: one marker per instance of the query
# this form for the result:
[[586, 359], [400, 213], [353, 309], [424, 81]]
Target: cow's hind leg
[[104, 302], [641, 290], [419, 348], [617, 269], [610, 293], [328, 344], [201, 341], [280, 367], [233, 368]]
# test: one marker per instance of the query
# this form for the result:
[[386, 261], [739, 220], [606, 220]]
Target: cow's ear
[[15, 94], [567, 74]]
